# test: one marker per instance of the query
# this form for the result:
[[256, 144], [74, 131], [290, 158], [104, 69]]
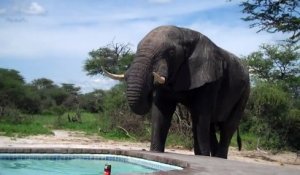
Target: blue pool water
[[74, 164]]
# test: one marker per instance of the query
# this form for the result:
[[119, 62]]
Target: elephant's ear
[[204, 62]]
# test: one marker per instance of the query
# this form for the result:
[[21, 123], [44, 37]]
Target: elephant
[[178, 65]]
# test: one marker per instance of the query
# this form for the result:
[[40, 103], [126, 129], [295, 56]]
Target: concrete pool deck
[[193, 165]]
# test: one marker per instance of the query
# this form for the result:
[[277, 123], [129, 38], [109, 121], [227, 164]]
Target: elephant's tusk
[[113, 76], [158, 79]]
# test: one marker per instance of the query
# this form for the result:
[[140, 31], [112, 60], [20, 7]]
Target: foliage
[[39, 96], [70, 88], [278, 64], [273, 107], [274, 16], [15, 93], [43, 83], [270, 106], [117, 112], [181, 128], [115, 57], [53, 96], [279, 61], [92, 102], [11, 87], [115, 98]]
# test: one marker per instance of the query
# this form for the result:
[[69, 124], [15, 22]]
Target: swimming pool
[[77, 164]]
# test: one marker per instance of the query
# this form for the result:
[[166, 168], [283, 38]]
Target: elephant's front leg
[[201, 112], [162, 111]]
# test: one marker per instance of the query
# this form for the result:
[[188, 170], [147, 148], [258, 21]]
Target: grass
[[21, 130], [175, 140], [90, 123], [97, 124], [249, 141], [43, 124]]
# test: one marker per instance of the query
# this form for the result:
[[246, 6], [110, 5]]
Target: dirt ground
[[73, 139]]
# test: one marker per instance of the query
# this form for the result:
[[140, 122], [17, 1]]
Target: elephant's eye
[[171, 52]]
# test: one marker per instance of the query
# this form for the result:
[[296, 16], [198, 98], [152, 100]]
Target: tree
[[93, 101], [15, 94], [115, 57], [52, 95], [115, 104], [274, 99], [70, 88], [118, 116], [274, 117], [274, 16], [12, 88], [278, 64], [71, 101], [43, 83]]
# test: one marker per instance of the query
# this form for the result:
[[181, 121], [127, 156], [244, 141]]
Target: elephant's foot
[[205, 152], [157, 148], [222, 153], [202, 152]]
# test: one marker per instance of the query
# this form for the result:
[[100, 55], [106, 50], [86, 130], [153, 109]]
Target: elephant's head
[[177, 58]]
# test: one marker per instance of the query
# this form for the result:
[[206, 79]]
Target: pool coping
[[130, 153], [192, 165]]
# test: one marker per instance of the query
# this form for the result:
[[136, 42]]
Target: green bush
[[271, 117], [293, 129]]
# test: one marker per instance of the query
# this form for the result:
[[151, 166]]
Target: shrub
[[270, 116]]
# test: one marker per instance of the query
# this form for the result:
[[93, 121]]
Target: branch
[[127, 133]]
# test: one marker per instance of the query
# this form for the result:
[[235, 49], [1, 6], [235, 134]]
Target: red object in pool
[[107, 169]]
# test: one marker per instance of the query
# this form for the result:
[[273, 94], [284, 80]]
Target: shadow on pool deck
[[193, 165]]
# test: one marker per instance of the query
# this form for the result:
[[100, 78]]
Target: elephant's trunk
[[140, 83]]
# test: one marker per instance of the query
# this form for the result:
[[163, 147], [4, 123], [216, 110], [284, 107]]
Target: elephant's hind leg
[[213, 140], [196, 144], [227, 128]]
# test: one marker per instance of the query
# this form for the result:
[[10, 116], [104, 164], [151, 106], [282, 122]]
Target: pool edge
[[132, 153]]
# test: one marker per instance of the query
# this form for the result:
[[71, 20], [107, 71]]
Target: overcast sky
[[52, 38]]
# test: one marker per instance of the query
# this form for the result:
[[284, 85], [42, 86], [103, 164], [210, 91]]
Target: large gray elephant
[[178, 65]]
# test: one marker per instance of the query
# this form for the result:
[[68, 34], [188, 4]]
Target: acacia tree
[[115, 57], [43, 83], [274, 16]]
